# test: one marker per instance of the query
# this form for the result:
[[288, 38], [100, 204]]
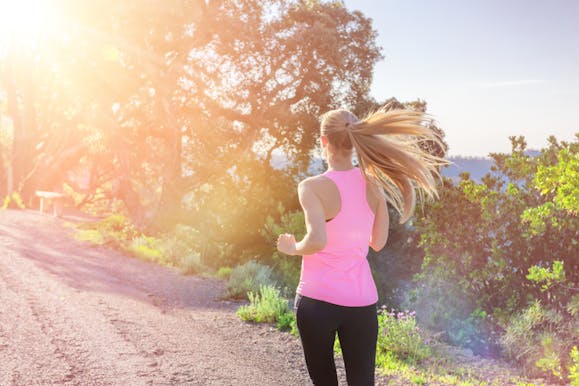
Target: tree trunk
[[22, 147]]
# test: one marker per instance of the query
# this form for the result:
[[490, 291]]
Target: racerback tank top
[[340, 273]]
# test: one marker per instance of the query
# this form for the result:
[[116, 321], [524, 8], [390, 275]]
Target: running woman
[[346, 212]]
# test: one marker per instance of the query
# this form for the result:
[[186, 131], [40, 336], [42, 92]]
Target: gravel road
[[73, 314]]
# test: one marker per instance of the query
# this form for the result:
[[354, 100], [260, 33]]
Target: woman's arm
[[315, 238], [381, 224]]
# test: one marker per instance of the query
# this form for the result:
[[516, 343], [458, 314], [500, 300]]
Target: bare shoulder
[[314, 184]]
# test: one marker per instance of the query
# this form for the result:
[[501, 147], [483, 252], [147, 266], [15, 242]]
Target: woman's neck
[[340, 163]]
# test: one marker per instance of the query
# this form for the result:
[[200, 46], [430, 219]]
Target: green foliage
[[191, 263], [395, 265], [248, 277], [561, 180], [287, 322], [267, 306], [224, 272], [146, 248], [540, 340], [399, 335], [181, 248], [13, 201], [574, 367], [287, 268], [502, 244], [178, 248], [442, 304], [116, 231], [91, 235], [547, 276]]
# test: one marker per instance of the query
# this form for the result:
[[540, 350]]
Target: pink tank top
[[340, 273]]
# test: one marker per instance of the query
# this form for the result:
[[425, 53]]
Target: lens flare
[[26, 22]]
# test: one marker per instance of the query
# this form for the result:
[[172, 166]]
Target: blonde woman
[[346, 212]]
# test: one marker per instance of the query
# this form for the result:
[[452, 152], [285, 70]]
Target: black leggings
[[357, 329]]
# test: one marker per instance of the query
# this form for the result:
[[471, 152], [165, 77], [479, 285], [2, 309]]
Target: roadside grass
[[405, 354], [117, 232], [267, 306]]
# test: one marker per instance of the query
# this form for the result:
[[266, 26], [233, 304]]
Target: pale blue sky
[[488, 69]]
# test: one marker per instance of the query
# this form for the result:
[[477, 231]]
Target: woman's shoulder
[[319, 184], [313, 181]]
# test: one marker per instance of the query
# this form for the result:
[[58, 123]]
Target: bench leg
[[57, 207], [41, 204]]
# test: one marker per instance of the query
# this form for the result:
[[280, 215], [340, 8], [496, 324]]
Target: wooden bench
[[53, 197]]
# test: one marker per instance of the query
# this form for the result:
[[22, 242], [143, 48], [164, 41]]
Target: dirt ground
[[75, 314]]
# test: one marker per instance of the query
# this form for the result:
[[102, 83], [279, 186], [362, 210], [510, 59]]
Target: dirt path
[[77, 315]]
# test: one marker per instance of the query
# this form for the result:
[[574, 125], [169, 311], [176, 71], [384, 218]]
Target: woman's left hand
[[286, 243]]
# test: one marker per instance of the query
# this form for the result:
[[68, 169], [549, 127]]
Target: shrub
[[180, 248], [191, 263], [399, 335], [574, 366], [177, 248], [506, 241], [91, 235], [540, 340], [444, 306], [286, 268], [224, 272], [287, 322], [13, 201], [266, 306], [116, 231], [248, 278], [146, 248]]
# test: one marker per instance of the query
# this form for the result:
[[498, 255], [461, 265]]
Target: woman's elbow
[[317, 243], [377, 245]]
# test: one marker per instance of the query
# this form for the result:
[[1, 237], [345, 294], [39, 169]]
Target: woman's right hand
[[286, 243]]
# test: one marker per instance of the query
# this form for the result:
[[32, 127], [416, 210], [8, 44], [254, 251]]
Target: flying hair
[[388, 146]]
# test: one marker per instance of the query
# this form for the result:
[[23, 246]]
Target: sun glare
[[26, 22]]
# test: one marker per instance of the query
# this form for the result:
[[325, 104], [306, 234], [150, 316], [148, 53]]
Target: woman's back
[[340, 273]]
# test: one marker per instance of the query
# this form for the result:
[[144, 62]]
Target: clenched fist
[[286, 243]]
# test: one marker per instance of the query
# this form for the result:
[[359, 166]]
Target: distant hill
[[476, 166]]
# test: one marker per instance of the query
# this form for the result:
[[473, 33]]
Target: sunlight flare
[[25, 22]]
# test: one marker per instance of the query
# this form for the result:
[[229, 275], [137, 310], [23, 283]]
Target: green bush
[[191, 264], [574, 366], [504, 242], [541, 341], [399, 335], [146, 248], [224, 272], [287, 268], [13, 201], [287, 322], [266, 306], [116, 231], [248, 277], [442, 305], [180, 248]]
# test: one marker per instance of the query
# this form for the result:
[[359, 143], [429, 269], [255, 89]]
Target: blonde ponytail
[[388, 146]]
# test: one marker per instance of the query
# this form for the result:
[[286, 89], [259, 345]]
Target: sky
[[488, 69]]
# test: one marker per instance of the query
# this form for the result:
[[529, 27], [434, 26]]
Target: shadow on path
[[83, 266]]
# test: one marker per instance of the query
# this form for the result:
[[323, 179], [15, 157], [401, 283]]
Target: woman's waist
[[345, 291]]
